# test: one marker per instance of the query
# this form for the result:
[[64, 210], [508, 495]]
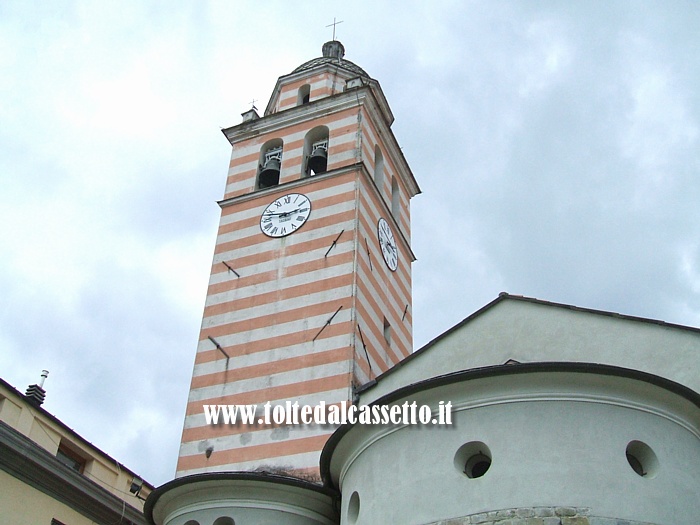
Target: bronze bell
[[270, 174], [318, 161]]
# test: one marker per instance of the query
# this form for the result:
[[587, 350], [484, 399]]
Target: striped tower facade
[[308, 315]]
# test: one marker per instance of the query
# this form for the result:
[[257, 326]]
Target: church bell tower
[[310, 290]]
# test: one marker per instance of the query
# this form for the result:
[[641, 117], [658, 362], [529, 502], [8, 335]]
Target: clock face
[[285, 215], [388, 245]]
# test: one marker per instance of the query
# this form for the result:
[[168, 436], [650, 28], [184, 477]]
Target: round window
[[642, 459], [353, 507], [473, 459]]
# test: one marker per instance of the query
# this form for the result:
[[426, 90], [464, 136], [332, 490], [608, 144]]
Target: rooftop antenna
[[44, 375], [334, 24]]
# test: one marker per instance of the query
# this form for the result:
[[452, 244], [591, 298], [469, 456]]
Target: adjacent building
[[50, 475]]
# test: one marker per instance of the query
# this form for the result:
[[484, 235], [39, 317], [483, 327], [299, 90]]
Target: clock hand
[[298, 210], [288, 213], [285, 213], [280, 213]]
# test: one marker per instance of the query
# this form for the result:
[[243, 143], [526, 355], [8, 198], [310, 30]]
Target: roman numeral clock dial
[[388, 245], [285, 215]]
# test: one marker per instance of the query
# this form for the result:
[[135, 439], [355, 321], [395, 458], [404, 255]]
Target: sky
[[556, 145]]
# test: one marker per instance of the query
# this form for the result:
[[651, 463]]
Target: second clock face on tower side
[[285, 215], [388, 245]]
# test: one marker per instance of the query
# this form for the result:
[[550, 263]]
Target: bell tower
[[310, 290]]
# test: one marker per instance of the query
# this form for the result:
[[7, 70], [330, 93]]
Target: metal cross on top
[[334, 24], [252, 103]]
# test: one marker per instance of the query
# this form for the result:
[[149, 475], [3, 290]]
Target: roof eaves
[[432, 343], [503, 296], [503, 370], [606, 313], [72, 433]]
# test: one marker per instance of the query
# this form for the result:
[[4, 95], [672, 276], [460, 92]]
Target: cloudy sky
[[556, 145]]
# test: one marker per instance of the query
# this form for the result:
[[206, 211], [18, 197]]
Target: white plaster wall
[[531, 332], [555, 439], [243, 516], [247, 502]]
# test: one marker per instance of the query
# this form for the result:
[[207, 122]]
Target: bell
[[318, 161], [270, 174]]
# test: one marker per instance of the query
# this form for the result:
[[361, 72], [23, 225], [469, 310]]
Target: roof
[[333, 53], [69, 431], [503, 297]]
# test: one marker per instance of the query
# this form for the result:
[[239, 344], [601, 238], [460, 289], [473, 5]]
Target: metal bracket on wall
[[327, 322], [368, 256], [231, 269], [333, 243], [364, 346], [217, 345]]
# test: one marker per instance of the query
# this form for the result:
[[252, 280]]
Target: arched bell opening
[[270, 164], [395, 198], [316, 151], [318, 160], [304, 94], [379, 168]]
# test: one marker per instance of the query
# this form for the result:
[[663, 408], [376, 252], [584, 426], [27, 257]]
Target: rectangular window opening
[[70, 458], [387, 331]]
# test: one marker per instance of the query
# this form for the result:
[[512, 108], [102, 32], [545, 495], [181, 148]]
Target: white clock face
[[388, 245], [285, 215]]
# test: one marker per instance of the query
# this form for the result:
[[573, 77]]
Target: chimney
[[35, 393]]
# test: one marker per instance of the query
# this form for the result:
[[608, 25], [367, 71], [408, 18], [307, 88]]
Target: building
[[559, 415], [310, 288], [51, 475]]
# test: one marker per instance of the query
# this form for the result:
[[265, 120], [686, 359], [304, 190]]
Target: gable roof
[[526, 329]]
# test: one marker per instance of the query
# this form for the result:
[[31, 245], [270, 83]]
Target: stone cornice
[[292, 185], [352, 98], [285, 187], [295, 115]]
